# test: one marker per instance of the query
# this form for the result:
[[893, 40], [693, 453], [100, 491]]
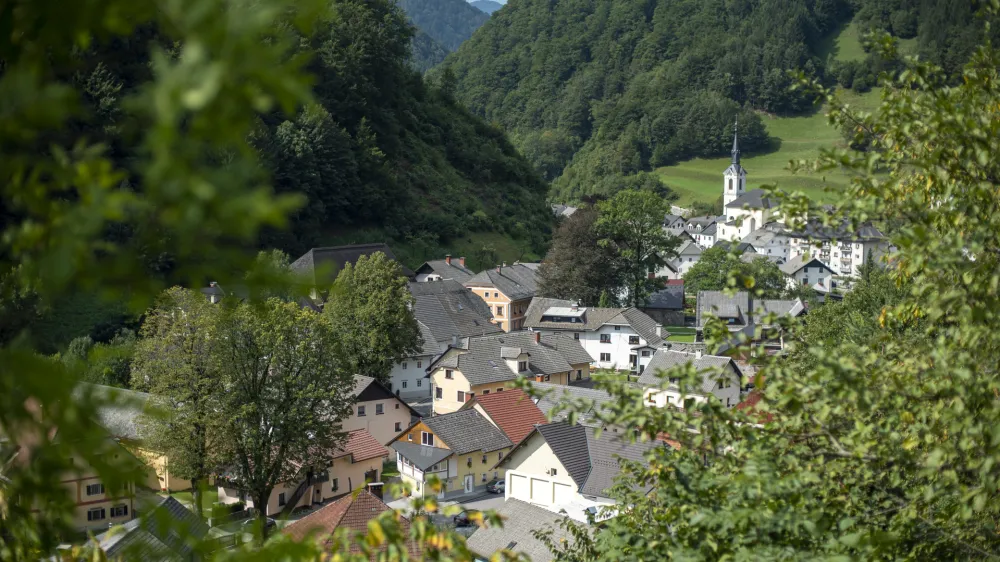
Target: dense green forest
[[382, 156], [593, 91], [448, 22], [426, 53]]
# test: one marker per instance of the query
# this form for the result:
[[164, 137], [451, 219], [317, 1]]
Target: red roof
[[362, 446], [512, 411], [352, 512], [675, 281], [749, 406], [661, 436]]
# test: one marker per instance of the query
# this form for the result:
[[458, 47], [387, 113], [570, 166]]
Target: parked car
[[462, 519], [250, 524], [496, 486]]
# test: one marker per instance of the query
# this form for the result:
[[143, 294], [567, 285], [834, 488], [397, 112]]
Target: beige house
[[461, 449], [720, 377], [357, 463], [492, 363], [508, 291], [377, 410]]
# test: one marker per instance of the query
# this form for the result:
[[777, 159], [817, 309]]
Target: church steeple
[[736, 142]]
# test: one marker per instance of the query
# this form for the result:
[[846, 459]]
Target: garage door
[[519, 487], [563, 493], [541, 491]]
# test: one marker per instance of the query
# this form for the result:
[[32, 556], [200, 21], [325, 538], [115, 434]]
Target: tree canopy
[[577, 267], [718, 265]]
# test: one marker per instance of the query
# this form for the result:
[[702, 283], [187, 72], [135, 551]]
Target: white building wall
[[618, 347], [819, 278], [407, 378]]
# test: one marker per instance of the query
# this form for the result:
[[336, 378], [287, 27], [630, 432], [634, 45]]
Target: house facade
[[559, 466], [688, 254], [508, 291], [378, 411], [406, 379], [720, 378], [513, 412], [806, 271], [741, 313], [615, 338], [460, 449], [492, 363]]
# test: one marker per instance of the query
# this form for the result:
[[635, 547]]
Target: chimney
[[454, 341], [538, 337], [461, 261], [498, 268], [697, 354], [575, 306], [504, 264], [659, 330], [213, 284], [447, 259]]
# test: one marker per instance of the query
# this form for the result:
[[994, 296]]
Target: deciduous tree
[[369, 308], [577, 267], [718, 269]]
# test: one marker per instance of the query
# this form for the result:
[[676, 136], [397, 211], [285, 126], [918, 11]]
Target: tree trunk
[[260, 504], [196, 494]]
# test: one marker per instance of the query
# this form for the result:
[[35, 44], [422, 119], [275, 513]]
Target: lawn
[[799, 137], [209, 497], [389, 469], [680, 333]]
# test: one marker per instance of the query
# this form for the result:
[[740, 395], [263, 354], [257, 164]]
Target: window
[[461, 396], [468, 461], [500, 455], [605, 338], [484, 458], [95, 489], [437, 393], [420, 364], [522, 366], [426, 438], [553, 472], [409, 437], [378, 410], [487, 391], [576, 335], [724, 383], [579, 374], [496, 474], [361, 411], [399, 426], [618, 328], [484, 477], [334, 484], [397, 405], [404, 364], [605, 357], [548, 377], [281, 499], [499, 311], [404, 384], [448, 374], [633, 340], [119, 510], [730, 184], [420, 383], [96, 514], [645, 353], [500, 389]]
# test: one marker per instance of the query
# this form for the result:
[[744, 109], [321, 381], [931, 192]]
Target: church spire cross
[[736, 144]]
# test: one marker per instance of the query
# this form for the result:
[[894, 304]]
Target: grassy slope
[[798, 137]]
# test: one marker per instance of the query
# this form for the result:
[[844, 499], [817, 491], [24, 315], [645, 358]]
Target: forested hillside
[[426, 52], [594, 90], [381, 156], [448, 22], [488, 6]]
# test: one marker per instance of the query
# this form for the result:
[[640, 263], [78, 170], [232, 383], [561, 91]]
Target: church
[[743, 211]]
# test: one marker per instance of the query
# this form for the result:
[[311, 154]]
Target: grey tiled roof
[[720, 304], [122, 409], [448, 309], [814, 229], [780, 307], [702, 221], [521, 519], [517, 281], [481, 360], [753, 199], [428, 341], [453, 271], [710, 229], [643, 325], [329, 261], [553, 393], [361, 382], [422, 456], [670, 297], [592, 462], [168, 531], [689, 248], [709, 366], [465, 431], [792, 266]]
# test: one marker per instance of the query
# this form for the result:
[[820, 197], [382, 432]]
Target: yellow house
[[461, 449], [356, 464], [492, 363], [378, 410], [508, 291]]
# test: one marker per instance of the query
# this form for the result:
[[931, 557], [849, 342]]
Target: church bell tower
[[735, 176]]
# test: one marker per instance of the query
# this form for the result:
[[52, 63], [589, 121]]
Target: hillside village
[[454, 411]]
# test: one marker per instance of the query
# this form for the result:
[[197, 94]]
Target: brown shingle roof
[[362, 446], [352, 512], [513, 411]]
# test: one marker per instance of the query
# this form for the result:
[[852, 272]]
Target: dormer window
[[522, 366]]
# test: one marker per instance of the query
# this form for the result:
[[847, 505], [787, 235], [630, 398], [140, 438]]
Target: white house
[[803, 270], [616, 338], [703, 230], [720, 377], [688, 254], [559, 466], [845, 251], [771, 241], [377, 410], [407, 376]]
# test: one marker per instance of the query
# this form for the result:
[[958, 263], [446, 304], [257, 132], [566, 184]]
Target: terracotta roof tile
[[749, 406], [362, 446], [513, 411], [352, 512]]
